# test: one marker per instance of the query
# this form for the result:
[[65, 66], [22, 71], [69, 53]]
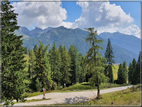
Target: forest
[[29, 70]]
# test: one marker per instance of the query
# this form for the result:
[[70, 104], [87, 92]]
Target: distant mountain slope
[[61, 35], [129, 42]]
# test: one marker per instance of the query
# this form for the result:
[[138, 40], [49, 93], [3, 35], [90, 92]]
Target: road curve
[[68, 97]]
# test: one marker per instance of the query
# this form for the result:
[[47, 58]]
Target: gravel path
[[68, 97]]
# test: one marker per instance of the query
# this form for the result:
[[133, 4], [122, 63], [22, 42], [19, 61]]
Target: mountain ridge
[[125, 48]]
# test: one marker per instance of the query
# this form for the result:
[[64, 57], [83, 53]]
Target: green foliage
[[109, 53], [38, 85], [134, 72], [73, 52], [65, 65], [42, 67], [109, 56], [122, 73], [13, 74], [94, 60], [55, 62], [125, 71]]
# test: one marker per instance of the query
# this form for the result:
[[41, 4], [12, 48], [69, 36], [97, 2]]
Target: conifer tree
[[32, 62], [125, 71], [42, 67], [79, 74], [55, 62], [94, 60], [13, 74], [84, 70], [65, 65], [137, 72], [109, 56], [133, 71], [73, 52], [122, 74]]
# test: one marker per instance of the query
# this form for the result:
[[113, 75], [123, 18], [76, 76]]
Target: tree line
[[54, 68]]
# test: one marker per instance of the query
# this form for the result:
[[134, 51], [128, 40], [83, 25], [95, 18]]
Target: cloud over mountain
[[105, 17], [41, 14]]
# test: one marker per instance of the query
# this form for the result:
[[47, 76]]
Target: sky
[[107, 16]]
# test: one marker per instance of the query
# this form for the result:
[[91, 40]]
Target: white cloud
[[132, 30], [102, 14], [105, 17], [40, 14]]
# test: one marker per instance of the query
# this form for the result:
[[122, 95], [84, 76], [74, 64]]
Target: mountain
[[129, 42], [125, 49]]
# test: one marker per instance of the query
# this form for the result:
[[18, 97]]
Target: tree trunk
[[98, 92]]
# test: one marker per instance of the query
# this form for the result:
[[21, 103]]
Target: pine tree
[[42, 68], [73, 52], [79, 73], [65, 65], [109, 56], [55, 62], [125, 71], [13, 75], [122, 73], [133, 71], [130, 73], [32, 63], [94, 60], [84, 70], [137, 72]]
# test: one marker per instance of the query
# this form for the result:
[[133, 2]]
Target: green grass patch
[[115, 70], [33, 100], [78, 87], [86, 86], [125, 97], [33, 94]]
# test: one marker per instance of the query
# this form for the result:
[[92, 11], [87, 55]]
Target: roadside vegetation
[[129, 96], [57, 68]]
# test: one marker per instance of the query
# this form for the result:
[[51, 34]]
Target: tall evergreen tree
[[13, 75], [122, 72], [42, 68], [32, 63], [55, 61], [137, 72], [79, 74], [94, 60], [65, 65], [125, 72], [73, 52], [109, 56], [83, 77], [133, 71]]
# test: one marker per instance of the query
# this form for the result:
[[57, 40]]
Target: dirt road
[[68, 97]]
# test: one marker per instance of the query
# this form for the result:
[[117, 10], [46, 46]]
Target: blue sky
[[74, 10], [123, 17]]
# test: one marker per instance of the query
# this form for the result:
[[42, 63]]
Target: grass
[[115, 70], [86, 86], [78, 87], [33, 100], [33, 94], [124, 97]]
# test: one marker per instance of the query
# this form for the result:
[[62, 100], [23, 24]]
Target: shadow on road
[[76, 100]]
